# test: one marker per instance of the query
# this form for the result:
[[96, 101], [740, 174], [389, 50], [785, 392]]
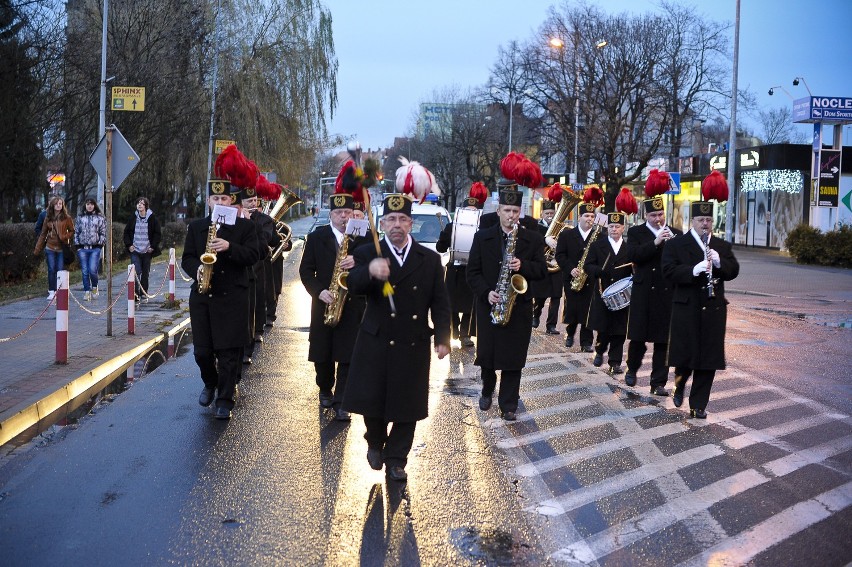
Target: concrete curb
[[77, 391]]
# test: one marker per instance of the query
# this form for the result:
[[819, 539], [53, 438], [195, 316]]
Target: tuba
[[282, 205], [508, 285], [337, 287], [205, 280], [570, 199]]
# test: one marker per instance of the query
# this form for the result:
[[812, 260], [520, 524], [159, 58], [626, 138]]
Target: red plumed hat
[[528, 174], [657, 183], [232, 165], [479, 192], [594, 196], [626, 202], [715, 186], [348, 179], [509, 164], [415, 180], [554, 193]]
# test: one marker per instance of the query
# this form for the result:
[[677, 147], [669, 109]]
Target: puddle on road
[[490, 546]]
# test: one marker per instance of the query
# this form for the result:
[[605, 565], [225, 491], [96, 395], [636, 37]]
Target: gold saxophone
[[570, 199], [337, 287], [508, 285], [579, 281], [205, 281]]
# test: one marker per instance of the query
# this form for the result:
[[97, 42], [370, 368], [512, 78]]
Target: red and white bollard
[[131, 299], [62, 317], [170, 348], [171, 276]]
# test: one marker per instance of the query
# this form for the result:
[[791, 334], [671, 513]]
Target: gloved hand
[[699, 268], [714, 256]]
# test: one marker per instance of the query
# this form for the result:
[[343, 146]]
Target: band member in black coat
[[389, 378], [461, 298], [330, 345], [503, 347], [650, 297], [267, 237], [569, 252], [606, 264], [549, 287], [220, 318], [697, 343]]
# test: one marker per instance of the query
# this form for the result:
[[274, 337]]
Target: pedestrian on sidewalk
[[142, 238], [58, 229], [90, 238]]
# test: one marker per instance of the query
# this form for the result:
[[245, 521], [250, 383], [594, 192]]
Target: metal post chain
[[37, 319], [118, 296], [159, 291]]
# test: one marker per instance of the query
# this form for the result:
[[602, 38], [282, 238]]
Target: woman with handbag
[[90, 237], [56, 234]]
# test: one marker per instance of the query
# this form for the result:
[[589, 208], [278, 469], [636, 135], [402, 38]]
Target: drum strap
[[600, 285]]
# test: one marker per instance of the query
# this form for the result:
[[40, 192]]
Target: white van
[[429, 221]]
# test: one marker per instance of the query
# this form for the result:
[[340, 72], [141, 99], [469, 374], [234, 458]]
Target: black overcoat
[[569, 250], [389, 374], [601, 265], [503, 348], [315, 270], [222, 316], [697, 331], [551, 284], [651, 296]]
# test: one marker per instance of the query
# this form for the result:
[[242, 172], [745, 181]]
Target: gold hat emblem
[[396, 202], [339, 200], [217, 187], [657, 203], [706, 209], [511, 198], [250, 192]]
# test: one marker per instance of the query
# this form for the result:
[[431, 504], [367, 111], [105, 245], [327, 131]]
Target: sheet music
[[357, 227], [224, 215]]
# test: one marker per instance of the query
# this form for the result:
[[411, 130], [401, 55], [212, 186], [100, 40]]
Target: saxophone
[[205, 280], [337, 288], [508, 285], [578, 282]]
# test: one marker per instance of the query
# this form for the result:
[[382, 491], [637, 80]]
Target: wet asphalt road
[[592, 473]]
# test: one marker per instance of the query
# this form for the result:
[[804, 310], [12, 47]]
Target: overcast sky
[[393, 55]]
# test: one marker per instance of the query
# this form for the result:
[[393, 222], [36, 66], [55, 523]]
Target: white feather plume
[[414, 179]]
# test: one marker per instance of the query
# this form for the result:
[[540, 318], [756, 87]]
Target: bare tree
[[777, 126]]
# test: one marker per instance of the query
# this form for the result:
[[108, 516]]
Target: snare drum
[[465, 225], [617, 296]]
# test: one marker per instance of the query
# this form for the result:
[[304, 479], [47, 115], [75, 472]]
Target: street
[[592, 473]]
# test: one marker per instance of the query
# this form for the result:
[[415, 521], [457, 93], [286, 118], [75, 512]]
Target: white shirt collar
[[697, 238], [337, 234], [655, 231], [584, 233], [616, 245], [407, 246]]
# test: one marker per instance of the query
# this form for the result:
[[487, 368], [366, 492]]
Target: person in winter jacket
[[58, 229], [90, 238], [142, 237]]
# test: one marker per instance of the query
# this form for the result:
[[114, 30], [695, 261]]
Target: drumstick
[[623, 265]]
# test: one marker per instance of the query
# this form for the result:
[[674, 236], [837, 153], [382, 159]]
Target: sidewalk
[[28, 372]]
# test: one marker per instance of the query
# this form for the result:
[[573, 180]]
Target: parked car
[[321, 219]]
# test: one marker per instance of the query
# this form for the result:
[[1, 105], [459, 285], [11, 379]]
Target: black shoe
[[342, 415], [677, 396], [222, 413], [397, 473], [586, 348], [598, 361], [613, 370], [466, 342], [326, 398], [630, 378], [660, 391], [374, 458], [569, 341], [258, 338], [269, 323], [698, 413], [536, 321], [246, 360], [551, 330], [206, 397], [484, 403], [509, 416]]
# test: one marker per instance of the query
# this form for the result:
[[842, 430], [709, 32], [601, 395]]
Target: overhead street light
[[796, 84], [772, 91]]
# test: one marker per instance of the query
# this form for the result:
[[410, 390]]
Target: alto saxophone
[[579, 281], [205, 280], [337, 288], [508, 285]]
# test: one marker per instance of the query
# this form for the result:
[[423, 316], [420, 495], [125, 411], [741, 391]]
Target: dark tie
[[400, 253]]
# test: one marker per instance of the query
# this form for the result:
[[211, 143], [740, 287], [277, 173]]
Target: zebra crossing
[[611, 476]]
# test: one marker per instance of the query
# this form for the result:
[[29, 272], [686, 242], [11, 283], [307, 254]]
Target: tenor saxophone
[[508, 285], [579, 280], [337, 288], [205, 280]]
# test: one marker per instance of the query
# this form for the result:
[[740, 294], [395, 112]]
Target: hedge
[[809, 245]]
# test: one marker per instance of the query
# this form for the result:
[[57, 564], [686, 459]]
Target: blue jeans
[[90, 261], [54, 264]]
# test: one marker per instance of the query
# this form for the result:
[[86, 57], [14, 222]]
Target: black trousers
[[613, 343], [552, 309], [587, 337], [326, 378], [142, 263], [259, 298], [510, 386], [395, 445], [464, 326], [274, 274], [252, 288], [659, 370], [220, 369], [702, 382]]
